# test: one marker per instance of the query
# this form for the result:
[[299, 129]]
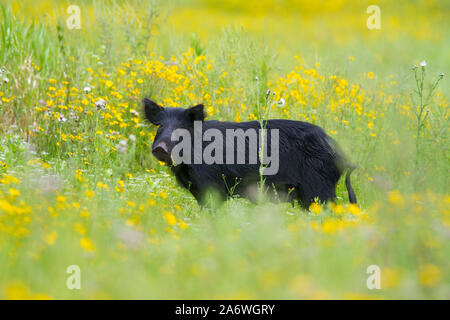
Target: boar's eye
[[196, 113], [153, 111]]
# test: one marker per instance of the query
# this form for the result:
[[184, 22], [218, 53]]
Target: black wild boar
[[296, 159]]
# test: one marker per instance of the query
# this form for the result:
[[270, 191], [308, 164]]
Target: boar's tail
[[351, 193], [343, 164]]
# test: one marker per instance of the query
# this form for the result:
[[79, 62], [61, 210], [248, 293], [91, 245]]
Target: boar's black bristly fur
[[310, 162]]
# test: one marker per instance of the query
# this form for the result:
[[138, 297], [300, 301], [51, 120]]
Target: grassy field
[[79, 186]]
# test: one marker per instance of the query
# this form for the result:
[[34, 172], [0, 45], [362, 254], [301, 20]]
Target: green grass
[[142, 236]]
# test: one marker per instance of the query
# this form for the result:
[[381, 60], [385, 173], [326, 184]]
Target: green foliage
[[78, 184]]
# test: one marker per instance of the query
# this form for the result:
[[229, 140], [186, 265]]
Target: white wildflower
[[62, 118], [100, 104], [122, 146], [73, 116]]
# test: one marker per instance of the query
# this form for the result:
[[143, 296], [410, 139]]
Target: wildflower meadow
[[86, 211]]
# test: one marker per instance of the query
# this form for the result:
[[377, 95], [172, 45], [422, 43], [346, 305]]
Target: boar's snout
[[161, 152]]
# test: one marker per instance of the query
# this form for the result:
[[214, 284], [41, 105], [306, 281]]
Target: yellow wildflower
[[315, 208], [89, 193], [87, 244], [396, 198], [170, 218], [51, 237], [354, 209], [430, 275]]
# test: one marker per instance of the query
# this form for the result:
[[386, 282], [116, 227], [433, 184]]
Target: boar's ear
[[196, 113], [153, 111]]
